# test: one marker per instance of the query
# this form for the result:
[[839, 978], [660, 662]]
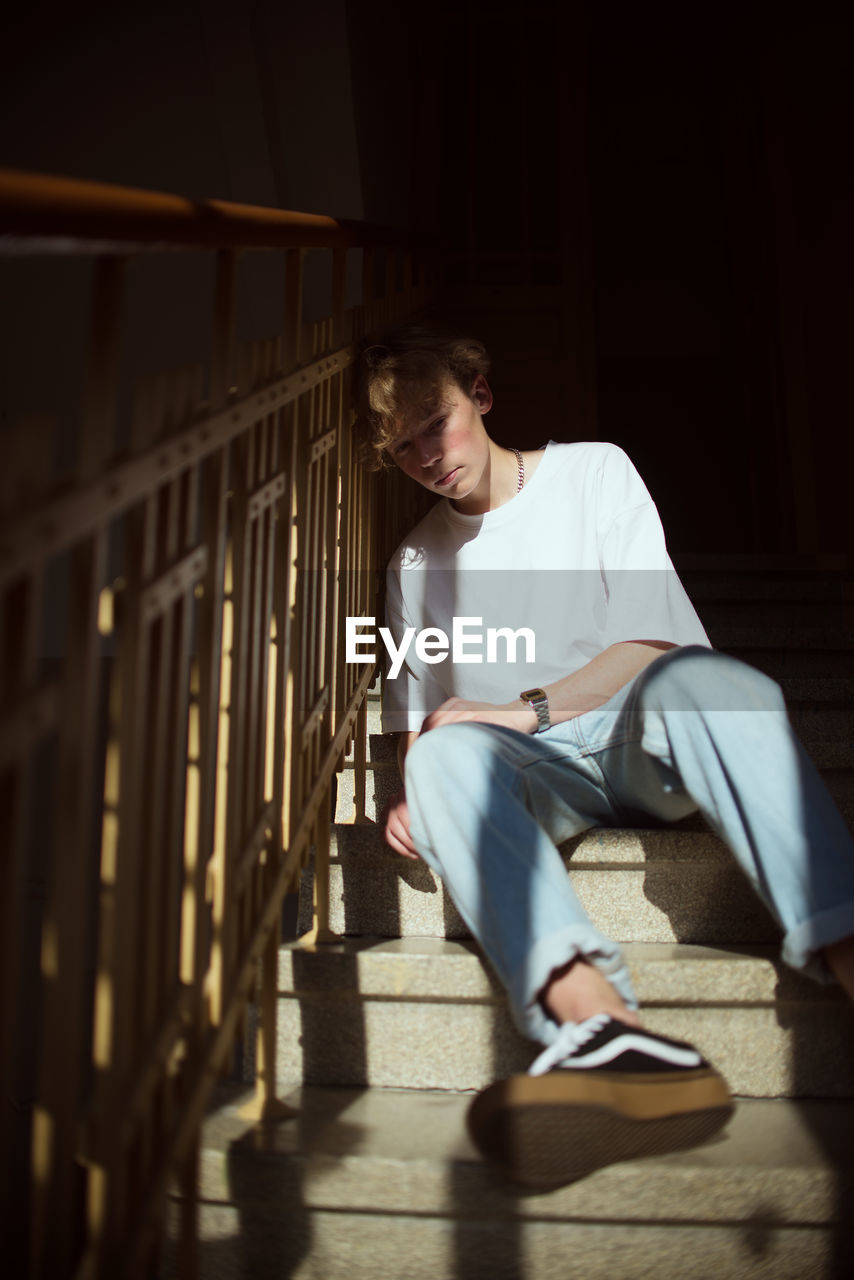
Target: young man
[[618, 713]]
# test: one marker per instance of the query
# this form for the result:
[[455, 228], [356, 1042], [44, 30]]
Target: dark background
[[645, 209]]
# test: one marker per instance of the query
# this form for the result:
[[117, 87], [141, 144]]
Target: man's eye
[[401, 448], [436, 426]]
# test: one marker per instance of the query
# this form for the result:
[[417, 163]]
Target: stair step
[[637, 886], [383, 780], [427, 1013], [772, 599], [831, 757], [789, 651], [786, 610], [384, 1185], [822, 689], [758, 565], [781, 588]]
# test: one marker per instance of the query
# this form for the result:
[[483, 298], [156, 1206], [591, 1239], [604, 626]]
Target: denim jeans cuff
[[551, 953], [802, 946]]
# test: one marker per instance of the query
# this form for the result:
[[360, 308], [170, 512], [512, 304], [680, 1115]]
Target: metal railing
[[173, 692]]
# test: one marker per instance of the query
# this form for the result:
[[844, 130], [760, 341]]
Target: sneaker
[[603, 1092]]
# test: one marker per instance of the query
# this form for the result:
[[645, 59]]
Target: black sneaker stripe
[[646, 1051]]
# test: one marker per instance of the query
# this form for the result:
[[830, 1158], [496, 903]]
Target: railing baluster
[[211, 565], [221, 924], [360, 773]]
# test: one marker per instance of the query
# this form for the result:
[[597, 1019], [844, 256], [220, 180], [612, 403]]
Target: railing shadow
[[822, 1057], [265, 1220], [813, 1025], [477, 1191], [270, 1165]]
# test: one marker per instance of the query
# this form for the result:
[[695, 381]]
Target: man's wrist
[[537, 700], [528, 720]]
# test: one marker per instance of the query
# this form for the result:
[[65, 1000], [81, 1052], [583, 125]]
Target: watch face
[[531, 695]]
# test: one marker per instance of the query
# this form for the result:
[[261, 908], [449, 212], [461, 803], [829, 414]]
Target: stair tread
[[400, 1158], [597, 847], [667, 884], [817, 688], [394, 1150], [831, 755], [825, 753], [760, 563], [737, 636], [406, 968], [786, 589]]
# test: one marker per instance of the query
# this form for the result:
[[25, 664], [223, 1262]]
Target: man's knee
[[697, 678], [451, 749]]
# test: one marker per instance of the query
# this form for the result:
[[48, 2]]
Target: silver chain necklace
[[521, 473]]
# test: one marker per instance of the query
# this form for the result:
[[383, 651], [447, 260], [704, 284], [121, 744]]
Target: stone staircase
[[383, 1036]]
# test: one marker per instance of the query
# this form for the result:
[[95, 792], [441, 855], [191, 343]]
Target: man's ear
[[481, 393]]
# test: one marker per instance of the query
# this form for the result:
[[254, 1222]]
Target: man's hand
[[573, 695], [395, 816], [395, 819], [589, 687], [512, 715]]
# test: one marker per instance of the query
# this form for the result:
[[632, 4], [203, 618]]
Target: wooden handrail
[[37, 204], [187, 716]]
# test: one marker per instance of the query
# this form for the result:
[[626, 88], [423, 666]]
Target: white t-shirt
[[577, 558]]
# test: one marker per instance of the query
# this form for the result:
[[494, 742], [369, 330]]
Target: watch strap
[[537, 700]]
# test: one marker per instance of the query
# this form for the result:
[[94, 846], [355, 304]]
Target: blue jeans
[[695, 730]]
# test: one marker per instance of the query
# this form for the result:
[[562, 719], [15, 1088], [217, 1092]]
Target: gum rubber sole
[[549, 1130]]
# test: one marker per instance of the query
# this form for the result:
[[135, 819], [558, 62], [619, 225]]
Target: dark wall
[[645, 208], [249, 102], [203, 98], [645, 213], [723, 277]]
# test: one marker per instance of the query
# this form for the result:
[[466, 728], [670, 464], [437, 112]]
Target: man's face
[[448, 451]]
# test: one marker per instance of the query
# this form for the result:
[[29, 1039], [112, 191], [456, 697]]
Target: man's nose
[[428, 450]]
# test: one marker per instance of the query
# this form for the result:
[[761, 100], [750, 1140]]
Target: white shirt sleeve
[[414, 693], [645, 599]]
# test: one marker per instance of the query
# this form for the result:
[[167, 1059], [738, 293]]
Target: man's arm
[[588, 687], [404, 742], [395, 816], [583, 690]]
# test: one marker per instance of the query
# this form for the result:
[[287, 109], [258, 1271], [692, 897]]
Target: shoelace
[[571, 1036]]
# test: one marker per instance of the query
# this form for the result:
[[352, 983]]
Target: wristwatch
[[537, 699]]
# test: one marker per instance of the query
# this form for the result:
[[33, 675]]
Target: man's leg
[[719, 729], [839, 957], [578, 990], [603, 1089], [472, 790]]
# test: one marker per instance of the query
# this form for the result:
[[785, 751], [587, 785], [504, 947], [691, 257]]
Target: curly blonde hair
[[401, 376]]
